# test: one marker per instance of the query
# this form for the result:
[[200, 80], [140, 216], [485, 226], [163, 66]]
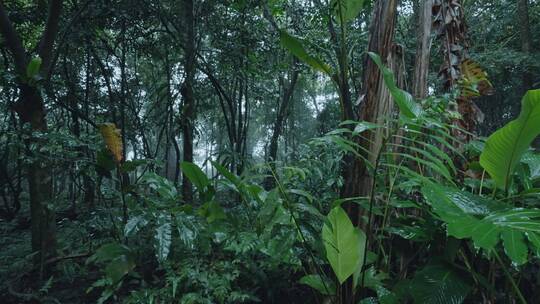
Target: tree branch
[[13, 42], [47, 40]]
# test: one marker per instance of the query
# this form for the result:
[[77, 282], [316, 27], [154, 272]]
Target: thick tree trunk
[[525, 35], [375, 106], [372, 107], [188, 117], [423, 49]]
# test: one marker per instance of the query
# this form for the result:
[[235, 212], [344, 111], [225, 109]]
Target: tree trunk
[[525, 35], [375, 106], [31, 110], [283, 112], [423, 49], [372, 108], [188, 117]]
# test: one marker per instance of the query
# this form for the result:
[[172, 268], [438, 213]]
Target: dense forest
[[270, 151]]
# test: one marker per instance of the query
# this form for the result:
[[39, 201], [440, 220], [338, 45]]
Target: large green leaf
[[296, 47], [439, 284], [195, 175], [346, 10], [344, 244], [505, 147], [404, 100], [484, 221]]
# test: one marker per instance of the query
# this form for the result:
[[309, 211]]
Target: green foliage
[[321, 284], [344, 244], [296, 47], [505, 147], [485, 221], [406, 103], [346, 10], [439, 284]]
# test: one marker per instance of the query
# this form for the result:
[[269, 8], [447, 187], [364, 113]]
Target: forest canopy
[[269, 151]]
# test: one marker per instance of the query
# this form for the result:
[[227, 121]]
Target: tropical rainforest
[[270, 151]]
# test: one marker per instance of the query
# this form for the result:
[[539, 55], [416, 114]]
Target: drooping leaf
[[505, 147], [346, 10], [113, 140], [227, 174], [195, 175], [439, 284], [321, 284], [404, 100], [343, 243], [296, 47]]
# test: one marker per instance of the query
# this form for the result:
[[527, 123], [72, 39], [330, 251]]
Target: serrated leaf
[[134, 224], [163, 237], [505, 147]]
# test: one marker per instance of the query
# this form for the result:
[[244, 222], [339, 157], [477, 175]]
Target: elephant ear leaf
[[505, 147]]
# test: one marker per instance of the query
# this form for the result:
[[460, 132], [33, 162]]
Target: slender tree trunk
[[188, 117], [525, 35], [283, 112], [423, 49]]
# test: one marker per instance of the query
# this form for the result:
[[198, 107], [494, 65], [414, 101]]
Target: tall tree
[[30, 109], [372, 106], [188, 112], [423, 49]]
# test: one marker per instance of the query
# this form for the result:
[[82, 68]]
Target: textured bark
[[449, 24], [31, 110], [423, 49], [375, 105], [188, 113], [357, 181], [525, 35]]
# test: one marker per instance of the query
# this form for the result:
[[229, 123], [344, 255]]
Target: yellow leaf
[[474, 81], [113, 139]]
